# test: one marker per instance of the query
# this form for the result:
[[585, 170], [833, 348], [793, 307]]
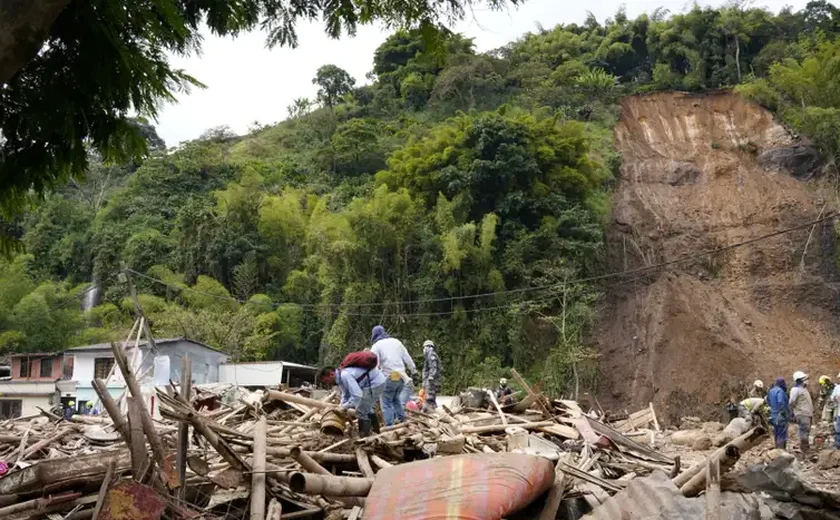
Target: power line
[[637, 271]]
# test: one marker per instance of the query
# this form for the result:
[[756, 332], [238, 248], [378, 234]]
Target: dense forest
[[459, 196]]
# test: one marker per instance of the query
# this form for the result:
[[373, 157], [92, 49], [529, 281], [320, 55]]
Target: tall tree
[[333, 83], [73, 71]]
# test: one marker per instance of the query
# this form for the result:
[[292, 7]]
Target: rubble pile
[[291, 453]]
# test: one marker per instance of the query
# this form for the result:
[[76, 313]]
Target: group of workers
[[388, 380], [795, 406]]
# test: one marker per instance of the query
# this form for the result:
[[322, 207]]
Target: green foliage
[[333, 84], [451, 174]]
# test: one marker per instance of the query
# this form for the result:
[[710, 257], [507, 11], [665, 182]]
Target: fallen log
[[38, 504], [743, 443], [312, 484], [723, 463], [331, 458], [46, 442], [276, 395], [184, 428], [56, 472], [364, 463]]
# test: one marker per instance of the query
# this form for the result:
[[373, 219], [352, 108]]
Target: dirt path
[[692, 179]]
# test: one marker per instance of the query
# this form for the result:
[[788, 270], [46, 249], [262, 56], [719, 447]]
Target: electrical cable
[[640, 270]]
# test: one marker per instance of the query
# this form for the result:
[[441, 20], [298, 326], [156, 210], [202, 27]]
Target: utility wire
[[630, 272]]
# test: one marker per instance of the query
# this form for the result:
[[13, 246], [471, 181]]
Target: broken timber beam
[[275, 395], [312, 484], [743, 443], [113, 410], [258, 476], [184, 428]]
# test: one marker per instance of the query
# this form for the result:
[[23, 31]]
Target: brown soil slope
[[700, 172]]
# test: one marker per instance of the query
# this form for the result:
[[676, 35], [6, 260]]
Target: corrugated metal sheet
[[657, 498]]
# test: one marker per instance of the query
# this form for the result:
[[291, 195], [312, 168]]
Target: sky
[[247, 82]]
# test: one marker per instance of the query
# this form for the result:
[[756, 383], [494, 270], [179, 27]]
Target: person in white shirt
[[395, 363]]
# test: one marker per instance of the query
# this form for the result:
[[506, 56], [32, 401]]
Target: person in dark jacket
[[777, 398], [432, 372]]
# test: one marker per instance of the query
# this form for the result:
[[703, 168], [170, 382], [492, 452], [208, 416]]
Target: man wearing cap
[[802, 408], [395, 363]]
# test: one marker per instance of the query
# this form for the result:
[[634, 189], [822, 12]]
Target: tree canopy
[[72, 71], [458, 196]]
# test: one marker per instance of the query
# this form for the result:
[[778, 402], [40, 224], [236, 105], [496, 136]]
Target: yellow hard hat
[[824, 380], [71, 403]]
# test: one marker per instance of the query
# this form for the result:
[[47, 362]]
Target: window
[[68, 367], [10, 408], [102, 367], [46, 367], [25, 369]]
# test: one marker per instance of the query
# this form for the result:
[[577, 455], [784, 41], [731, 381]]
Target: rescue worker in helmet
[[824, 402], [504, 394], [757, 389], [802, 408], [70, 410]]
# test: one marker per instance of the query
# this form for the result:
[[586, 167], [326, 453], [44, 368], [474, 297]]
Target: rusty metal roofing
[[657, 498]]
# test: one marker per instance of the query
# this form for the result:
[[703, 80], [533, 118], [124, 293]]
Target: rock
[[736, 427], [772, 455], [711, 427], [688, 437], [800, 161], [682, 173], [721, 439], [829, 459], [702, 444]]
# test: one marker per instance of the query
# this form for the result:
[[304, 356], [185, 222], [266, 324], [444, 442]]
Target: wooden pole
[[103, 490], [312, 484], [307, 462], [137, 444], [364, 463], [723, 463], [112, 409], [713, 510], [145, 416], [183, 427], [743, 443], [275, 395], [258, 475], [380, 462], [145, 323], [46, 442], [492, 397]]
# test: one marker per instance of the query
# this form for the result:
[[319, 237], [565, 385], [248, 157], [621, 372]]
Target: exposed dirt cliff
[[701, 172]]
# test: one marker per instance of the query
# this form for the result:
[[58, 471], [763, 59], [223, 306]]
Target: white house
[[97, 361]]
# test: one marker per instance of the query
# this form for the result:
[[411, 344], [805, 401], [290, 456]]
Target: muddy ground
[[701, 172]]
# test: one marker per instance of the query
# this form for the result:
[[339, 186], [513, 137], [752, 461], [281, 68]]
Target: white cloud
[[247, 82]]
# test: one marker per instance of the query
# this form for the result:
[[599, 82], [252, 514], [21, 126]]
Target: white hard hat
[[758, 383], [799, 375], [503, 381], [428, 343]]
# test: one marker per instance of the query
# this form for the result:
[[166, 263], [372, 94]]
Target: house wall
[[251, 374], [83, 366], [35, 375], [205, 362], [31, 395]]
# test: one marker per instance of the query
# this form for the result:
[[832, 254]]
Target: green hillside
[[460, 196]]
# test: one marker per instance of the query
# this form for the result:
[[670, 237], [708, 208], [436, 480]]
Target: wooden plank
[[364, 463], [561, 431], [555, 494], [653, 415], [139, 455], [112, 409], [258, 475], [184, 427], [713, 509], [275, 510], [495, 402], [621, 440], [103, 490], [145, 416]]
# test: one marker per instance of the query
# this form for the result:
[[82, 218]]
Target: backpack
[[364, 359]]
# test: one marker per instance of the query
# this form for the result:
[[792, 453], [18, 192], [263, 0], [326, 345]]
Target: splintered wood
[[224, 452]]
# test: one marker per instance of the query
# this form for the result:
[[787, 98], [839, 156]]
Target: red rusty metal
[[130, 500]]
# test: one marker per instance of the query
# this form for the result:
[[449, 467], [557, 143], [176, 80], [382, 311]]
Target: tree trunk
[[738, 57], [24, 25]]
